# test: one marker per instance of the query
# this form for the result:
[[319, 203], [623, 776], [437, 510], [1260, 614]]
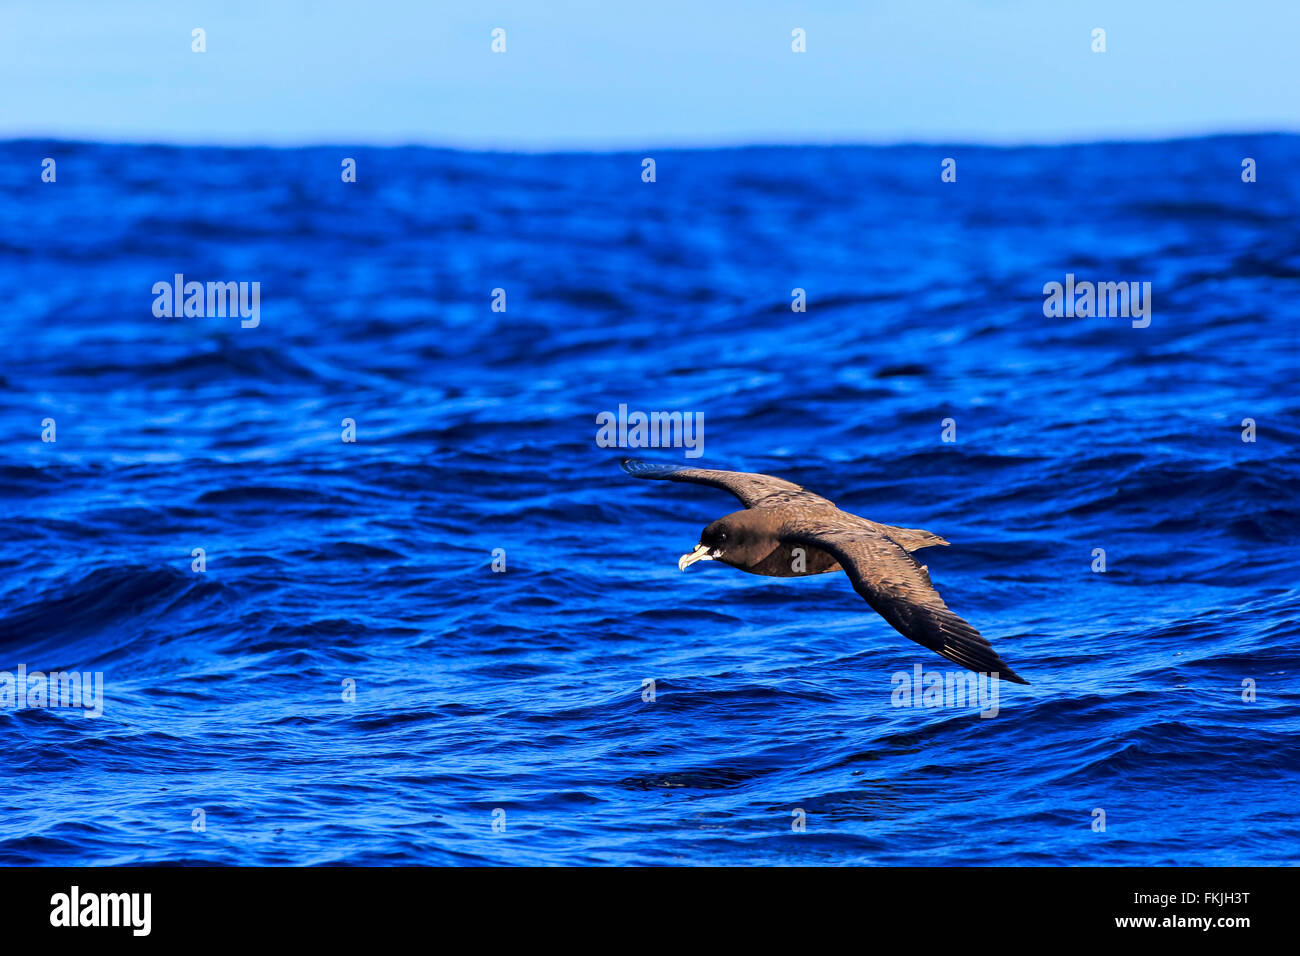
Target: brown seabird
[[780, 517]]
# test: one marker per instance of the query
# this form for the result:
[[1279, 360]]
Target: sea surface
[[341, 675]]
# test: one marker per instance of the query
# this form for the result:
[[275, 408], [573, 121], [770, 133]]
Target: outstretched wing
[[752, 490], [899, 590]]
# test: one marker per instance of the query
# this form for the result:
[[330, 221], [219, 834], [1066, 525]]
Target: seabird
[[780, 517]]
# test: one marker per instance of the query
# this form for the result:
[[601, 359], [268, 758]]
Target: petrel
[[786, 531]]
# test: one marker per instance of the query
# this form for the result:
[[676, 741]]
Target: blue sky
[[579, 74]]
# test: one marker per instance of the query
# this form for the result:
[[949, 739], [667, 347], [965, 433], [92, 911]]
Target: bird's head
[[725, 540]]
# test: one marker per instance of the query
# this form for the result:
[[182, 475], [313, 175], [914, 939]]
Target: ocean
[[357, 583]]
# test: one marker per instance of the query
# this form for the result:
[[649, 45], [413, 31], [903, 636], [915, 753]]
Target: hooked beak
[[701, 553]]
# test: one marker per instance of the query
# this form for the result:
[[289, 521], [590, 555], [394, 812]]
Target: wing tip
[[998, 668], [994, 671], [980, 658], [640, 468]]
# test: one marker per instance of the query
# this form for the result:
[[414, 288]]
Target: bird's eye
[[722, 536]]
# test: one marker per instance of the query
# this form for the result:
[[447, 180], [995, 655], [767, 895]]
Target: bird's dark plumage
[[786, 531]]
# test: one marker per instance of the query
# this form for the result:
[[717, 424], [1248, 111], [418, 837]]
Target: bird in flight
[[786, 531]]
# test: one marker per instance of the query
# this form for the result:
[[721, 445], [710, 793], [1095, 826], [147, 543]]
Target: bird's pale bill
[[701, 553]]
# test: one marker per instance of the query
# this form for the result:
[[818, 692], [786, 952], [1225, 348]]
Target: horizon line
[[452, 144]]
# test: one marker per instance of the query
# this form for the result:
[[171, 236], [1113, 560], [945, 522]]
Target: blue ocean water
[[501, 716]]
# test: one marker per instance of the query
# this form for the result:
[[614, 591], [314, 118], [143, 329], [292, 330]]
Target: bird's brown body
[[788, 561], [787, 531]]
